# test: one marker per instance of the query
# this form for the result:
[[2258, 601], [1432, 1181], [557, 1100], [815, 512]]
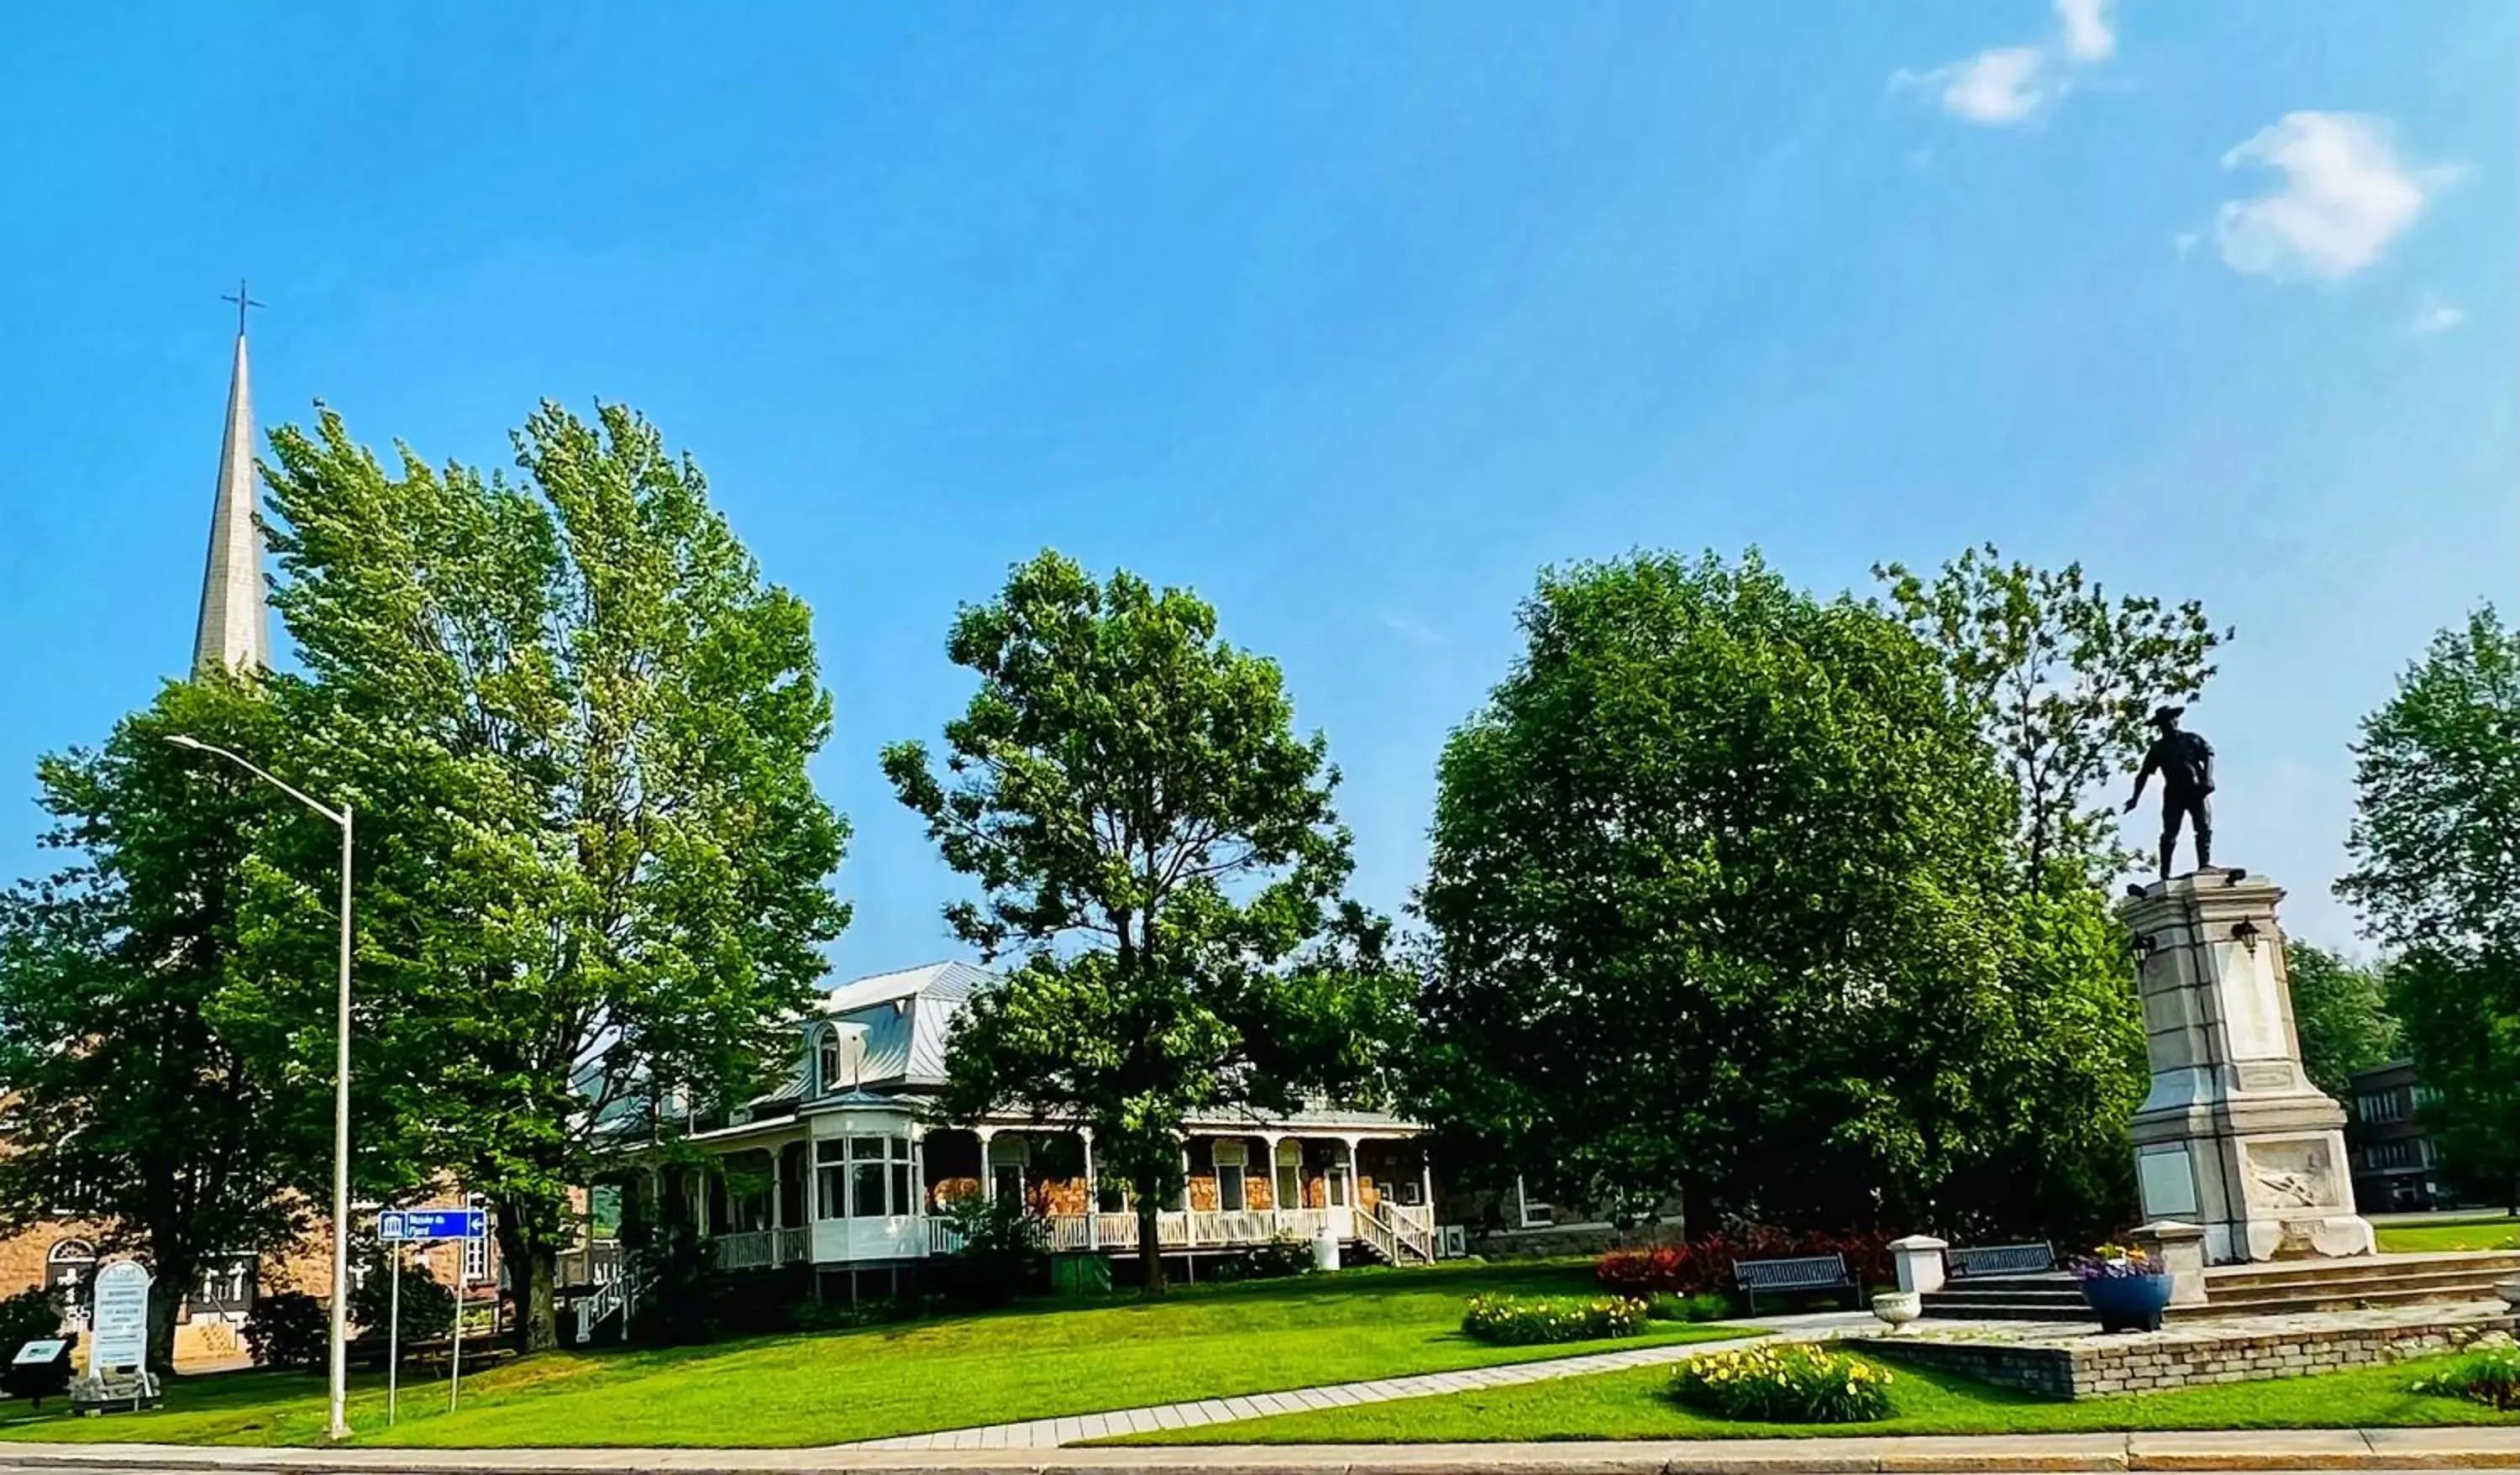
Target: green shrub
[[1005, 1251], [287, 1329], [1285, 1255], [1798, 1383], [427, 1307], [2491, 1377], [30, 1315], [1529, 1320], [1705, 1306], [674, 1267]]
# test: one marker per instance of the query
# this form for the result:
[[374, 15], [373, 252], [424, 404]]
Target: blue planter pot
[[2128, 1303]]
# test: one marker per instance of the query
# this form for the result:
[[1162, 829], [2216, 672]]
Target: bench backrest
[[2000, 1260], [1792, 1273]]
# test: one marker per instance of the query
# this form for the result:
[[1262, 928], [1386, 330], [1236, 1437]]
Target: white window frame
[[1228, 1156], [476, 1264], [1534, 1213]]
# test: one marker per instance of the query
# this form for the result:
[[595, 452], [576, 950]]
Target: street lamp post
[[340, 1355]]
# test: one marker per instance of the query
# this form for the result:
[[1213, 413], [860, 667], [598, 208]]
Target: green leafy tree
[[142, 1090], [2436, 875], [2461, 1010], [1721, 899], [1159, 849], [2061, 679], [574, 722], [2340, 1009]]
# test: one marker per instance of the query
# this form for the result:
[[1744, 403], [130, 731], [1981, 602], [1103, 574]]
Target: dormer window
[[839, 1058], [827, 1063]]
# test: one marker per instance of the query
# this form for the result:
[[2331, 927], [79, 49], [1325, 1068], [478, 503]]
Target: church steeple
[[234, 630]]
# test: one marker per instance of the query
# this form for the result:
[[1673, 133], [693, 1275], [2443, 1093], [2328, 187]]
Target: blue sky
[[1349, 317]]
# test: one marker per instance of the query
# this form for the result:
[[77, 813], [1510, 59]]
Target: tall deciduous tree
[[1159, 848], [576, 723], [1720, 888], [2340, 1009], [2061, 679], [2436, 851], [144, 1091]]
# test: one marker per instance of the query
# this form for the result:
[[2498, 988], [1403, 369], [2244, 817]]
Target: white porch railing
[[1204, 1228], [1398, 1240], [761, 1249]]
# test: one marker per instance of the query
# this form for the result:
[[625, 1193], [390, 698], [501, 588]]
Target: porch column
[[777, 1198], [918, 1175], [1355, 1189], [1277, 1200], [1092, 1194], [1190, 1226], [1427, 1178], [988, 1177]]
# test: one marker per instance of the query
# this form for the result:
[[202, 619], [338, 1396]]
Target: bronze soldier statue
[[2186, 763]]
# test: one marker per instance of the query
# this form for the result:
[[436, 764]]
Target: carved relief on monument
[[2291, 1175]]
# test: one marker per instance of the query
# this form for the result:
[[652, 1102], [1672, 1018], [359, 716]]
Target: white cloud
[[2011, 84], [2433, 315], [1415, 631], [2346, 195], [2088, 37], [2005, 85]]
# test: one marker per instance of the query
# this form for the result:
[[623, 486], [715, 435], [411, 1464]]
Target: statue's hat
[[2164, 716]]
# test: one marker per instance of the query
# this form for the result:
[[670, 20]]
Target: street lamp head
[[182, 741]]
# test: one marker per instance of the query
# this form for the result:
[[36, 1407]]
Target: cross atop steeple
[[233, 629], [243, 303]]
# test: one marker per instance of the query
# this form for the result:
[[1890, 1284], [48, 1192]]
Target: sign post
[[393, 1342], [402, 1226]]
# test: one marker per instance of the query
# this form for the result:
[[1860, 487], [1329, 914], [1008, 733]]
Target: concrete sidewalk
[[2270, 1451]]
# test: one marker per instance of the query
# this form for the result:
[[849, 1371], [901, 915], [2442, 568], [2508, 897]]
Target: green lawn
[[2494, 1231], [1032, 1363], [1631, 1406]]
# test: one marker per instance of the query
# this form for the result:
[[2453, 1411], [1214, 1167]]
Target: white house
[[840, 1172]]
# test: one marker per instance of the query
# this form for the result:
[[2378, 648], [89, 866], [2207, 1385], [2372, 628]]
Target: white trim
[[1531, 1213]]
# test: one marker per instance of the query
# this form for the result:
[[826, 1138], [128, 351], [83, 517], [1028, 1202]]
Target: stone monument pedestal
[[2232, 1137]]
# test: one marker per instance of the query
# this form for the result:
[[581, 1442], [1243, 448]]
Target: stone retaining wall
[[2240, 1352]]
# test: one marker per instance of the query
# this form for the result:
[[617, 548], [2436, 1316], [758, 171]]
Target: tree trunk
[[165, 1299], [532, 1265], [1151, 1255]]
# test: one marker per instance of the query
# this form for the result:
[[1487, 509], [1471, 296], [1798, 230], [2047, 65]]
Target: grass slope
[[1631, 1406], [2493, 1232], [1032, 1363]]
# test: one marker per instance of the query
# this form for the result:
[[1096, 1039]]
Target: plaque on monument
[[120, 1337], [2232, 1137]]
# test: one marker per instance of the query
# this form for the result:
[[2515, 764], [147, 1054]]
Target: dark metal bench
[[2000, 1260], [1802, 1273]]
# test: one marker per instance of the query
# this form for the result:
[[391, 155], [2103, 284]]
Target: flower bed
[[1705, 1264], [1530, 1321], [1798, 1383], [2491, 1377]]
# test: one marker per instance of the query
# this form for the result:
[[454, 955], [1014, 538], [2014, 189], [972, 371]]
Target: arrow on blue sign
[[433, 1224]]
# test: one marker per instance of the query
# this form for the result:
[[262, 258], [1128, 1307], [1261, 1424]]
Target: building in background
[[2397, 1169]]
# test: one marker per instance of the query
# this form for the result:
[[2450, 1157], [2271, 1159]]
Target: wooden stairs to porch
[[2282, 1287]]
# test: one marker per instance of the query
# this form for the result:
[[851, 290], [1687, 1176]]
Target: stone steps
[[2281, 1288]]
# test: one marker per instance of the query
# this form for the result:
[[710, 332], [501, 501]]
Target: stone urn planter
[[1896, 1309], [2128, 1303]]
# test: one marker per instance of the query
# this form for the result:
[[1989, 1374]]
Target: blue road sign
[[433, 1224]]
